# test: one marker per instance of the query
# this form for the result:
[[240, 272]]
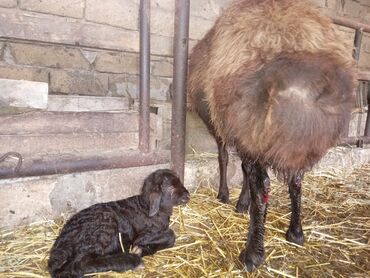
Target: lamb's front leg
[[253, 255], [150, 243]]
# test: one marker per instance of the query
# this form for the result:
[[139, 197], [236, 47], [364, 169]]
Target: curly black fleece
[[90, 241]]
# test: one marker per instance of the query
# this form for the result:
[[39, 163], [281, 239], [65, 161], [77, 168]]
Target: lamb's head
[[163, 190]]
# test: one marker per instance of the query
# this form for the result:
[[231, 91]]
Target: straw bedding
[[210, 236]]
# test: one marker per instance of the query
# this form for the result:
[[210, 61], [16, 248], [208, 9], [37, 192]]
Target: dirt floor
[[210, 236]]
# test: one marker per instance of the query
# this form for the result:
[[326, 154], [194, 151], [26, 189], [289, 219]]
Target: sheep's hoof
[[242, 207], [136, 250], [295, 237], [224, 198], [251, 259]]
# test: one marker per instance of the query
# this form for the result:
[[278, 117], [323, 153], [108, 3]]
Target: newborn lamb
[[99, 237]]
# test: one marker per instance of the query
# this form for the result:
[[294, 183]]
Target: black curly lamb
[[93, 239]]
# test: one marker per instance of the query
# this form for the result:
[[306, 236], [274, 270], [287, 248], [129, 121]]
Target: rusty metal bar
[[357, 44], [350, 23], [181, 46], [356, 55], [367, 125], [71, 165], [363, 75], [358, 141], [144, 86]]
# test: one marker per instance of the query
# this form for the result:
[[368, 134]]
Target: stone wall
[[90, 47]]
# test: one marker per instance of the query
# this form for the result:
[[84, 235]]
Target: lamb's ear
[[154, 202]]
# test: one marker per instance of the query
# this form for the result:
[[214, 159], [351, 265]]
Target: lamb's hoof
[[242, 207], [136, 250], [251, 259], [139, 267], [224, 198], [295, 237]]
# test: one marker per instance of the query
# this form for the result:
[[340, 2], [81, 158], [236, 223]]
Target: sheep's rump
[[277, 79]]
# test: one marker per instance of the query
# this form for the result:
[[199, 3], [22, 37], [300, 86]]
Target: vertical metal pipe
[[181, 46], [356, 55], [144, 86], [367, 125], [357, 44]]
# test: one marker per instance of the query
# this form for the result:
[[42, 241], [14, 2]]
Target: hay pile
[[210, 236]]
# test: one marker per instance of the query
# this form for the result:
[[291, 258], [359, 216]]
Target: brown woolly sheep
[[273, 79]]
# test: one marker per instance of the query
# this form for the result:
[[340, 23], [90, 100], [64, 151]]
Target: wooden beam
[[72, 103], [42, 123], [40, 134]]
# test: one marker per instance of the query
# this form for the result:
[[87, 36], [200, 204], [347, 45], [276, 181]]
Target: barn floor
[[210, 235]]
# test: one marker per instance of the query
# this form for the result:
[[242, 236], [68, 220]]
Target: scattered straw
[[120, 242], [210, 236]]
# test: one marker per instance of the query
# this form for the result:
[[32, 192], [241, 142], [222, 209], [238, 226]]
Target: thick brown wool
[[278, 80]]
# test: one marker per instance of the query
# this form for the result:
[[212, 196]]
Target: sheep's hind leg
[[259, 183], [295, 232], [245, 195], [223, 156], [223, 159]]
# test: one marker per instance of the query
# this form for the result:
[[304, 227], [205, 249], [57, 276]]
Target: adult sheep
[[273, 79]]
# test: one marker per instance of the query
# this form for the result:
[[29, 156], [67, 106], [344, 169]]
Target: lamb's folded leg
[[149, 243], [118, 261]]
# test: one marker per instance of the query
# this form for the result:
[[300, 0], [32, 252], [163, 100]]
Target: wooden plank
[[38, 123], [87, 103], [64, 144], [23, 94]]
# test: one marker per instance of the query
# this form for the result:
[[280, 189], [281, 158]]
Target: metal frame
[[360, 28], [178, 125], [367, 125], [144, 86], [134, 159], [72, 165]]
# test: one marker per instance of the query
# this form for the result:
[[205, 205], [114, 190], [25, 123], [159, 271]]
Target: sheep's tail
[[295, 109]]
